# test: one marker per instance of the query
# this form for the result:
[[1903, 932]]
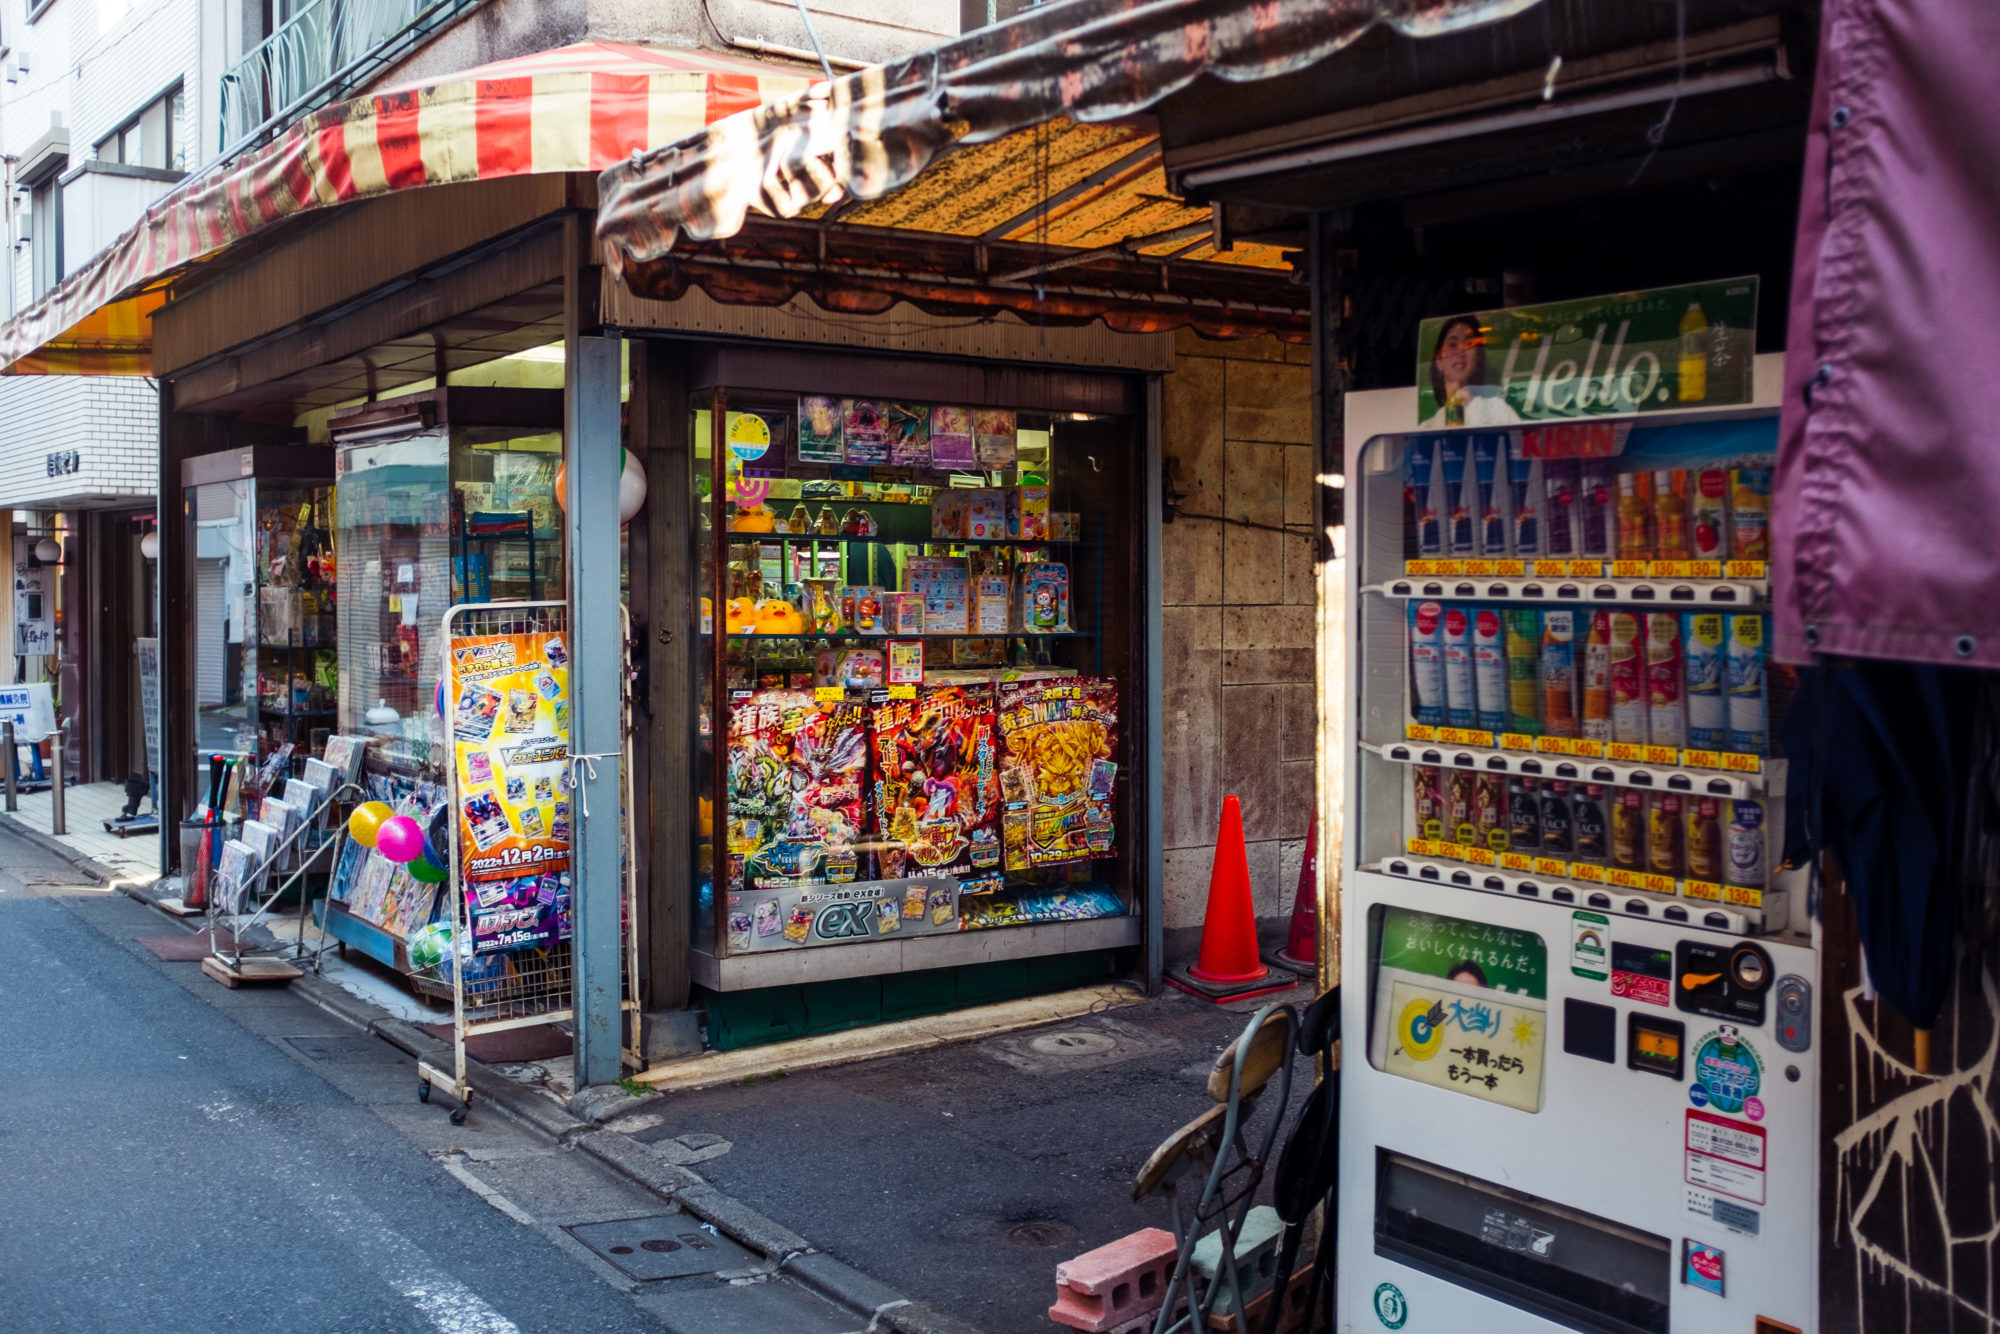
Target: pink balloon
[[400, 839]]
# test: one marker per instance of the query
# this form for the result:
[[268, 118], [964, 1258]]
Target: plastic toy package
[[1057, 774], [1024, 907], [937, 789], [795, 785]]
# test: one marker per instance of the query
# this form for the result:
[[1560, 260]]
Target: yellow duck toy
[[757, 519], [778, 617], [741, 617]]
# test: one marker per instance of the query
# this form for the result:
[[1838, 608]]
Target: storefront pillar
[[591, 456]]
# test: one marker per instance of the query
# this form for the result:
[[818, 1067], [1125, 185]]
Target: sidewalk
[[134, 860]]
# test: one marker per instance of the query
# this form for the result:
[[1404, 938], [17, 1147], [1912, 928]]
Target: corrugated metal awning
[[577, 108], [1024, 142]]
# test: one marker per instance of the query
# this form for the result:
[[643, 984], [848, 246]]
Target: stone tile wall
[[1237, 635]]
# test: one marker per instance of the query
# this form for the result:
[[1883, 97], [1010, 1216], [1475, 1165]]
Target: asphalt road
[[177, 1156]]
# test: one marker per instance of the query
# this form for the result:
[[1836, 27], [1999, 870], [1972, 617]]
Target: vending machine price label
[[1628, 569], [1482, 569], [1671, 569], [1478, 856], [1742, 764], [1742, 896], [1419, 732], [1428, 847], [1667, 755], [1516, 741], [1516, 861], [1422, 568], [1585, 569], [1621, 878], [1627, 751], [1658, 884], [1704, 569], [1702, 759], [1702, 889], [1554, 866], [1744, 569], [1464, 736], [1510, 569], [1573, 745], [1551, 569], [1584, 871]]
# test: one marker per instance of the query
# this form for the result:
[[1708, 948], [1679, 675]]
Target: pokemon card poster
[[1057, 775], [509, 702]]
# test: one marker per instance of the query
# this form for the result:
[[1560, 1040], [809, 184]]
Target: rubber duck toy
[[756, 519], [741, 617], [778, 617]]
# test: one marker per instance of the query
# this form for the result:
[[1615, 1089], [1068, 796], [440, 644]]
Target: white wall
[[113, 424]]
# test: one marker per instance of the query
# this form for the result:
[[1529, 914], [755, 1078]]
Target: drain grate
[[346, 1049], [663, 1246]]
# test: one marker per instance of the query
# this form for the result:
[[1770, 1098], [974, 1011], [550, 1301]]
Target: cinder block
[[1256, 1258], [1110, 1287]]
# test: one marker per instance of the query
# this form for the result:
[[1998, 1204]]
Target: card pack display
[[518, 913], [952, 441], [1057, 771], [510, 752], [909, 435], [821, 436], [865, 425], [943, 584], [993, 437], [937, 786], [796, 768]]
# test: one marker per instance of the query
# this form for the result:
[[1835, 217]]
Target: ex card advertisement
[[1057, 774], [937, 788], [509, 702]]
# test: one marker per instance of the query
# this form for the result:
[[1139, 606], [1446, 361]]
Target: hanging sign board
[[1667, 349], [31, 708], [34, 610], [147, 651]]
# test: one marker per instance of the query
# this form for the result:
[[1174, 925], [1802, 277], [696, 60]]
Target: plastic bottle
[[1524, 488], [1524, 815], [1635, 516], [1749, 715], [1451, 465], [1596, 675], [1489, 668], [1486, 465], [1560, 508], [1420, 495], [1461, 708], [1629, 703], [1709, 528], [1589, 823], [1702, 638], [1523, 627], [1427, 663], [1746, 844], [1666, 674], [1596, 510], [1458, 807], [1692, 364], [1750, 513], [1559, 673], [1670, 514]]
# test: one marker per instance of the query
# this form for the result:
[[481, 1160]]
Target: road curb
[[49, 843]]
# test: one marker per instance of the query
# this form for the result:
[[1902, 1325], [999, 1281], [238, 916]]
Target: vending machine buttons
[[1794, 1023], [1657, 1046]]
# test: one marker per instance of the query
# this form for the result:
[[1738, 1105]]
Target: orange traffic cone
[[1228, 966], [1301, 950]]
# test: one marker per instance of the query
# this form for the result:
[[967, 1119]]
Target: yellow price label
[[1451, 569], [1742, 764], [1743, 896], [1672, 569], [1704, 569], [1419, 732], [1552, 745], [1706, 890], [1584, 871], [902, 692], [1663, 755], [1586, 569], [1622, 878], [1551, 569], [1627, 752], [1516, 741], [830, 695], [1477, 855], [1464, 736], [1427, 847], [1481, 568], [1659, 884], [1743, 569], [1702, 759], [1516, 861], [1510, 569], [1628, 569], [1554, 866]]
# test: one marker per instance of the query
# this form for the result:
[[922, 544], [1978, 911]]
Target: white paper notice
[[1724, 1177]]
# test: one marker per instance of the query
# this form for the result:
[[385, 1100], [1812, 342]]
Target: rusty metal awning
[[1013, 169], [575, 108]]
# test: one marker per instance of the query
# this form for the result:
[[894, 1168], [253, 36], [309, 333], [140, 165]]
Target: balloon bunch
[[402, 840]]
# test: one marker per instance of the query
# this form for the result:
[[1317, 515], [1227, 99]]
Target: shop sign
[[1467, 1006], [31, 708], [1667, 349], [63, 462], [773, 918]]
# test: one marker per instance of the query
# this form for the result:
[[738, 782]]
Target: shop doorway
[[124, 605]]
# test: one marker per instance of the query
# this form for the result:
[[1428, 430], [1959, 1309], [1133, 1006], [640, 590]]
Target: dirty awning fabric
[[871, 132], [1889, 449], [577, 108]]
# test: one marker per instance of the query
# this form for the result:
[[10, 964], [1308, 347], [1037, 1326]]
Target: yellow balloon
[[366, 821]]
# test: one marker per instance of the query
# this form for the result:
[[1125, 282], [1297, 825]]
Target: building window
[[45, 222], [152, 138]]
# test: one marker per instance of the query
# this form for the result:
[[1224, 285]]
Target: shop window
[[151, 138], [45, 235]]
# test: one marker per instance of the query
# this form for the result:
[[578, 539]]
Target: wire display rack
[[532, 987]]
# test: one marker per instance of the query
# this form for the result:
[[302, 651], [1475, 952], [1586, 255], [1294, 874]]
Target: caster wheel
[[423, 1090], [458, 1116]]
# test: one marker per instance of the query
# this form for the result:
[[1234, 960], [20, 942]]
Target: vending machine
[[1580, 1082]]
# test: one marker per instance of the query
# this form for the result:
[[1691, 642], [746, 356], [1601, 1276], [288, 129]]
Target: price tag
[[1702, 759], [1551, 569], [1510, 569], [830, 694], [1426, 847], [1451, 569], [1517, 861], [1421, 568], [1552, 745], [1628, 569], [1480, 568], [1659, 884], [1622, 878], [1704, 569], [1463, 736], [1742, 896], [1554, 866], [1516, 741], [1419, 732], [1588, 749], [1702, 889], [1667, 755], [1626, 752], [1672, 569], [1478, 856], [902, 692], [1743, 569], [1587, 873], [1742, 764], [1586, 569]]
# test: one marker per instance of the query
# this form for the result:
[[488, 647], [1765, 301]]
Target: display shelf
[[738, 537], [825, 963], [859, 637], [1569, 894], [1646, 592], [1570, 768]]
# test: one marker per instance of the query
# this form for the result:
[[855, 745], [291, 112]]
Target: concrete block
[[1256, 1259], [1110, 1286]]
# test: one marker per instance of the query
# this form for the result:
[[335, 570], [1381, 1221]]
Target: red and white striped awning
[[576, 108]]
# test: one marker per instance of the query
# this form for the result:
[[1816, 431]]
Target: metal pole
[[591, 450], [13, 767], [59, 822]]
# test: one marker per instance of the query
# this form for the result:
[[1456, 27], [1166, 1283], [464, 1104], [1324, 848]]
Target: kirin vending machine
[[1581, 1079]]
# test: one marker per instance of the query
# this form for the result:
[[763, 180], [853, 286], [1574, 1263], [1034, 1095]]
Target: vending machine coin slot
[[1722, 981], [1794, 1021]]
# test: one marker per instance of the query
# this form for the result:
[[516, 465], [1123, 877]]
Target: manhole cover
[[347, 1049], [1082, 1046], [1040, 1232], [1079, 1044], [665, 1246]]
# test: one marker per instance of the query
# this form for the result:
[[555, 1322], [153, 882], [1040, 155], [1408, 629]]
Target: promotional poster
[[795, 796], [937, 788], [509, 720], [1057, 774]]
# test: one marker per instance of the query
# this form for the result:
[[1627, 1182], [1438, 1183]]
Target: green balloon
[[422, 870]]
